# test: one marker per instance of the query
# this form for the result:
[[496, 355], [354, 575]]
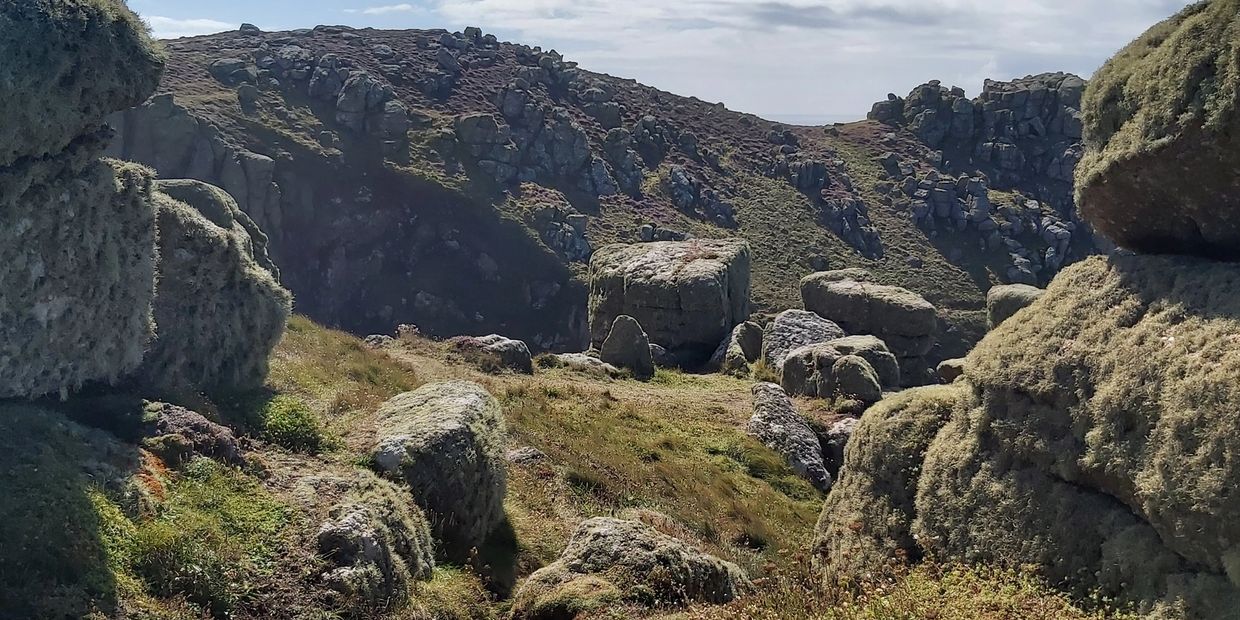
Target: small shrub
[[288, 421]]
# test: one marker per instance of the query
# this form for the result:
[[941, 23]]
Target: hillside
[[460, 183]]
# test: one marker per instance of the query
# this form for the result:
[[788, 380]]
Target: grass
[[287, 421]]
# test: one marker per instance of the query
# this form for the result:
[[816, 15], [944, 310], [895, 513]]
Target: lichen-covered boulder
[[867, 520], [609, 562], [688, 295], [1112, 409], [68, 64], [218, 312], [495, 352], [77, 260], [627, 346], [793, 329], [826, 372], [904, 320], [1159, 170], [740, 349], [447, 442], [376, 543], [778, 425], [852, 377], [1005, 300], [583, 363]]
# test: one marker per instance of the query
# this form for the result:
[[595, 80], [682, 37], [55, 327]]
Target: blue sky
[[790, 60]]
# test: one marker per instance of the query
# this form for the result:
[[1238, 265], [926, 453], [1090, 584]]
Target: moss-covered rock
[[866, 522], [1094, 438], [1161, 112], [77, 252], [610, 561], [447, 442], [218, 311], [68, 64], [1006, 300]]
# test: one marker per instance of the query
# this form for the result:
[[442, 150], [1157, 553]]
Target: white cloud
[[817, 57], [385, 10], [169, 28]]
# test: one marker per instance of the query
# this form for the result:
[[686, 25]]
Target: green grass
[[288, 421]]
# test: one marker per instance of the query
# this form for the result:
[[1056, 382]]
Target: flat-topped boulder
[[1159, 170], [793, 329], [904, 320], [687, 295]]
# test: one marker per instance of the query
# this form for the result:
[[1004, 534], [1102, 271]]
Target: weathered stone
[[447, 442], [740, 349], [500, 352], [950, 370], [1159, 113], [874, 351], [778, 425], [1004, 301], [793, 329], [905, 321], [853, 378], [627, 346], [687, 295], [590, 365], [609, 560], [194, 435]]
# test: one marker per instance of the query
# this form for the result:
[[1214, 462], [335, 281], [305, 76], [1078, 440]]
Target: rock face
[[610, 560], [447, 442], [687, 295], [218, 309], [1004, 301], [778, 425], [1115, 423], [1162, 110], [740, 349], [377, 544], [76, 233], [793, 329], [628, 347]]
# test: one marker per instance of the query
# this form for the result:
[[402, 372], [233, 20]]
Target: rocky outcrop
[[1161, 110], [686, 295], [1004, 301], [76, 232], [219, 310], [903, 320], [447, 442], [628, 347], [791, 330], [609, 560], [176, 434], [778, 425], [1114, 423]]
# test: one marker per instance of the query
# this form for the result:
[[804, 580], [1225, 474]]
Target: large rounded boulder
[[218, 308], [1158, 114], [447, 442]]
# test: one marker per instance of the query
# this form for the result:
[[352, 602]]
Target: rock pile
[[446, 441], [608, 561], [686, 295], [903, 320]]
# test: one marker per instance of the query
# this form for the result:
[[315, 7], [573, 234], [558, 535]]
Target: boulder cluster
[[1108, 403], [98, 262]]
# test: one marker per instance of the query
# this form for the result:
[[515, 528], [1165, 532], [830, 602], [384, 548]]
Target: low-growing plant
[[289, 422]]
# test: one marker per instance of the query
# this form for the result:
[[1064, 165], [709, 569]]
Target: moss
[[288, 422], [69, 64]]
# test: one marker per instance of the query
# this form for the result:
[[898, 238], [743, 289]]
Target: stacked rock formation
[[1111, 404], [686, 295], [76, 232]]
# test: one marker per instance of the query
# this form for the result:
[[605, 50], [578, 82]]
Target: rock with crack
[[780, 427], [791, 330], [687, 295], [447, 442], [609, 561]]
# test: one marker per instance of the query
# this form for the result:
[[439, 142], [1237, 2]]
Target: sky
[[796, 61]]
